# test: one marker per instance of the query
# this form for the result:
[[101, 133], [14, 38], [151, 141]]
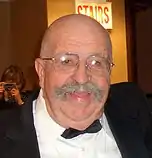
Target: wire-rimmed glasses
[[68, 62]]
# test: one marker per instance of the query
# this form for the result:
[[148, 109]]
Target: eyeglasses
[[70, 62]]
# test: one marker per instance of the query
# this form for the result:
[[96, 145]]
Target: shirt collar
[[43, 120]]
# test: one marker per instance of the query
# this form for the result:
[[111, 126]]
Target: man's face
[[75, 97]]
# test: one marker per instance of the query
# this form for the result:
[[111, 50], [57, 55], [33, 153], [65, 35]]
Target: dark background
[[139, 42]]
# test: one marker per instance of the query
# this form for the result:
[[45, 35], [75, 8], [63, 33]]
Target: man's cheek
[[59, 80], [104, 82]]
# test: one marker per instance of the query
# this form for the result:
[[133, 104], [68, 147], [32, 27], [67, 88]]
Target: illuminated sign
[[102, 12]]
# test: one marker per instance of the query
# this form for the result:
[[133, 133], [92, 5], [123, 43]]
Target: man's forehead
[[73, 30], [82, 48]]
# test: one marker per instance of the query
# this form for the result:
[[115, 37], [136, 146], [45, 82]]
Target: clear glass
[[68, 62]]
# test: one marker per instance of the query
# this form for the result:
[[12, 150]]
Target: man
[[71, 116]]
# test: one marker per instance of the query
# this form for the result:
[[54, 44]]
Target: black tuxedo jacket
[[126, 111]]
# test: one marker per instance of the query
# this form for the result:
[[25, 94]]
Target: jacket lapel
[[21, 139], [126, 132]]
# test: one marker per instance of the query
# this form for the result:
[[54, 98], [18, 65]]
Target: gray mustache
[[76, 87]]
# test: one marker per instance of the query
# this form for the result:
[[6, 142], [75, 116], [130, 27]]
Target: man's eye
[[95, 63], [67, 62]]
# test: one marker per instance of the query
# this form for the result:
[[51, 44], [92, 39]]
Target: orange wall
[[118, 36], [118, 33]]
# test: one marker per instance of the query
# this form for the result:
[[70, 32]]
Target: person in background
[[77, 113], [11, 87]]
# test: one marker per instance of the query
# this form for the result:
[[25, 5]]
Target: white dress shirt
[[89, 145]]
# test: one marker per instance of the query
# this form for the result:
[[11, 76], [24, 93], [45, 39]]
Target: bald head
[[76, 29]]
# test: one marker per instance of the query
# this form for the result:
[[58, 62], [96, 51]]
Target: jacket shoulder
[[128, 93], [126, 87], [128, 100]]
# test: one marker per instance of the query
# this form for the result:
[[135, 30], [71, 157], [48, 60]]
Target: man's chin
[[78, 113]]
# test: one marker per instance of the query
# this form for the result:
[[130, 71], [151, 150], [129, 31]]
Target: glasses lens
[[66, 62], [98, 64]]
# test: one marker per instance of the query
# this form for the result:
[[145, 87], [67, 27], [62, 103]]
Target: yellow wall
[[118, 36], [57, 8]]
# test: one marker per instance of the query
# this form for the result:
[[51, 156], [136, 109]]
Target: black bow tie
[[93, 128]]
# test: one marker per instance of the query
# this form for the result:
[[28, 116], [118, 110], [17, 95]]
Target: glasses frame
[[52, 59]]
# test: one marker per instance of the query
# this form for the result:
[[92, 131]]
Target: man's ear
[[39, 66]]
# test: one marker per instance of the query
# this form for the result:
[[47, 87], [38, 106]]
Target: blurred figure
[[11, 87]]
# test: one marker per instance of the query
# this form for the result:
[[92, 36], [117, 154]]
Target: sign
[[102, 12]]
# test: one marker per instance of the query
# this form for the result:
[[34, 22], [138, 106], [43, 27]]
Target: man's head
[[74, 70]]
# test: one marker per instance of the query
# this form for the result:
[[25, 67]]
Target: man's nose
[[81, 74]]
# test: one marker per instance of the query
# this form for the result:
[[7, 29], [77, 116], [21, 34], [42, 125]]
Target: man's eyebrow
[[103, 55]]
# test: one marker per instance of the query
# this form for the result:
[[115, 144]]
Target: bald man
[[76, 114]]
